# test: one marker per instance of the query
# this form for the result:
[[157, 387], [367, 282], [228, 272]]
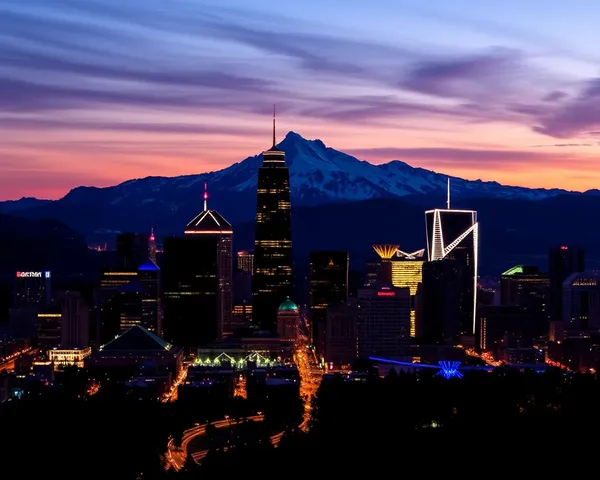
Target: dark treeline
[[506, 422], [485, 424]]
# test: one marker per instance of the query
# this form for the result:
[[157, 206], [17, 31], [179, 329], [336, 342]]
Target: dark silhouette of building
[[328, 285], [383, 322], [32, 289], [150, 296], [272, 280], [441, 301], [75, 321], [504, 326], [191, 286], [524, 286], [134, 351], [562, 262], [211, 224], [132, 250], [340, 334]]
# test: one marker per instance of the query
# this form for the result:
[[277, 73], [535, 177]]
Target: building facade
[[272, 280], [211, 224], [328, 285], [288, 320], [383, 322], [407, 272], [191, 286], [454, 235]]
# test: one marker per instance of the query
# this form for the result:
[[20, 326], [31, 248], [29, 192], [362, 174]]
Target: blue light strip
[[447, 365]]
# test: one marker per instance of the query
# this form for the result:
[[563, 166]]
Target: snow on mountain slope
[[318, 174]]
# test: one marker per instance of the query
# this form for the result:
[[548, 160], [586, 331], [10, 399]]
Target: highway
[[171, 395], [310, 379], [8, 363], [176, 456]]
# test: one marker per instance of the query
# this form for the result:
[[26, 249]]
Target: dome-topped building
[[288, 306], [288, 319]]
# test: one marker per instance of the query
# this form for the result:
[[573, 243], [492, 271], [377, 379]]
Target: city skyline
[[100, 93]]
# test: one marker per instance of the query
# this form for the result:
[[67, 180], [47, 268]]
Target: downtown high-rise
[[272, 279], [454, 235]]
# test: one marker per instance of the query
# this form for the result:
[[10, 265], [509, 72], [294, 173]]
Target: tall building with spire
[[210, 223], [454, 235], [152, 246], [272, 280], [197, 279]]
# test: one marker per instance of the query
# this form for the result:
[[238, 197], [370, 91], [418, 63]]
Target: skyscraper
[[562, 262], [383, 322], [75, 321], [328, 286], [150, 289], [132, 251], [453, 235], [210, 223], [191, 286], [32, 289], [407, 272], [152, 247], [272, 280]]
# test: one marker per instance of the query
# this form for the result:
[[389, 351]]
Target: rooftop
[[137, 339], [208, 221], [521, 270], [287, 306], [148, 266]]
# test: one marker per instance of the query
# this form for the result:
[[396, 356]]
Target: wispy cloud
[[575, 117], [460, 156]]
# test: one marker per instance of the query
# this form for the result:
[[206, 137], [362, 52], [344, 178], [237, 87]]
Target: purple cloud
[[573, 118], [459, 156], [555, 96], [473, 77], [164, 127]]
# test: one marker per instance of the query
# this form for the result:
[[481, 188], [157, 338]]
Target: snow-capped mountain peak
[[318, 175]]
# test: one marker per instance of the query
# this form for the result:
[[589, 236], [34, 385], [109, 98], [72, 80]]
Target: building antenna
[[448, 192], [274, 125], [205, 197]]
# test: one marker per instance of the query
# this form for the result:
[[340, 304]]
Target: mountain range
[[338, 202]]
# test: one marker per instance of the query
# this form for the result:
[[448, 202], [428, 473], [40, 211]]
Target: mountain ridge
[[319, 174]]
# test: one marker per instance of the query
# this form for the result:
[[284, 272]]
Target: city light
[[449, 369]]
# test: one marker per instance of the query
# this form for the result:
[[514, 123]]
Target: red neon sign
[[386, 294], [564, 248]]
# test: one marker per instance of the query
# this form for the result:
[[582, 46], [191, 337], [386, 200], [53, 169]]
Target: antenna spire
[[205, 197], [274, 141], [448, 193]]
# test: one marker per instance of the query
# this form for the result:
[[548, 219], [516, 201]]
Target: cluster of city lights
[[487, 357], [260, 360], [552, 363]]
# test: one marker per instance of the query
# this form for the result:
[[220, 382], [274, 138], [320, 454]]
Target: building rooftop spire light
[[205, 196]]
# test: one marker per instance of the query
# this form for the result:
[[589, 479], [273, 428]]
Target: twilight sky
[[95, 92]]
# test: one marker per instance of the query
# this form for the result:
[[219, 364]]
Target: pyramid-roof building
[[208, 221], [137, 339]]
